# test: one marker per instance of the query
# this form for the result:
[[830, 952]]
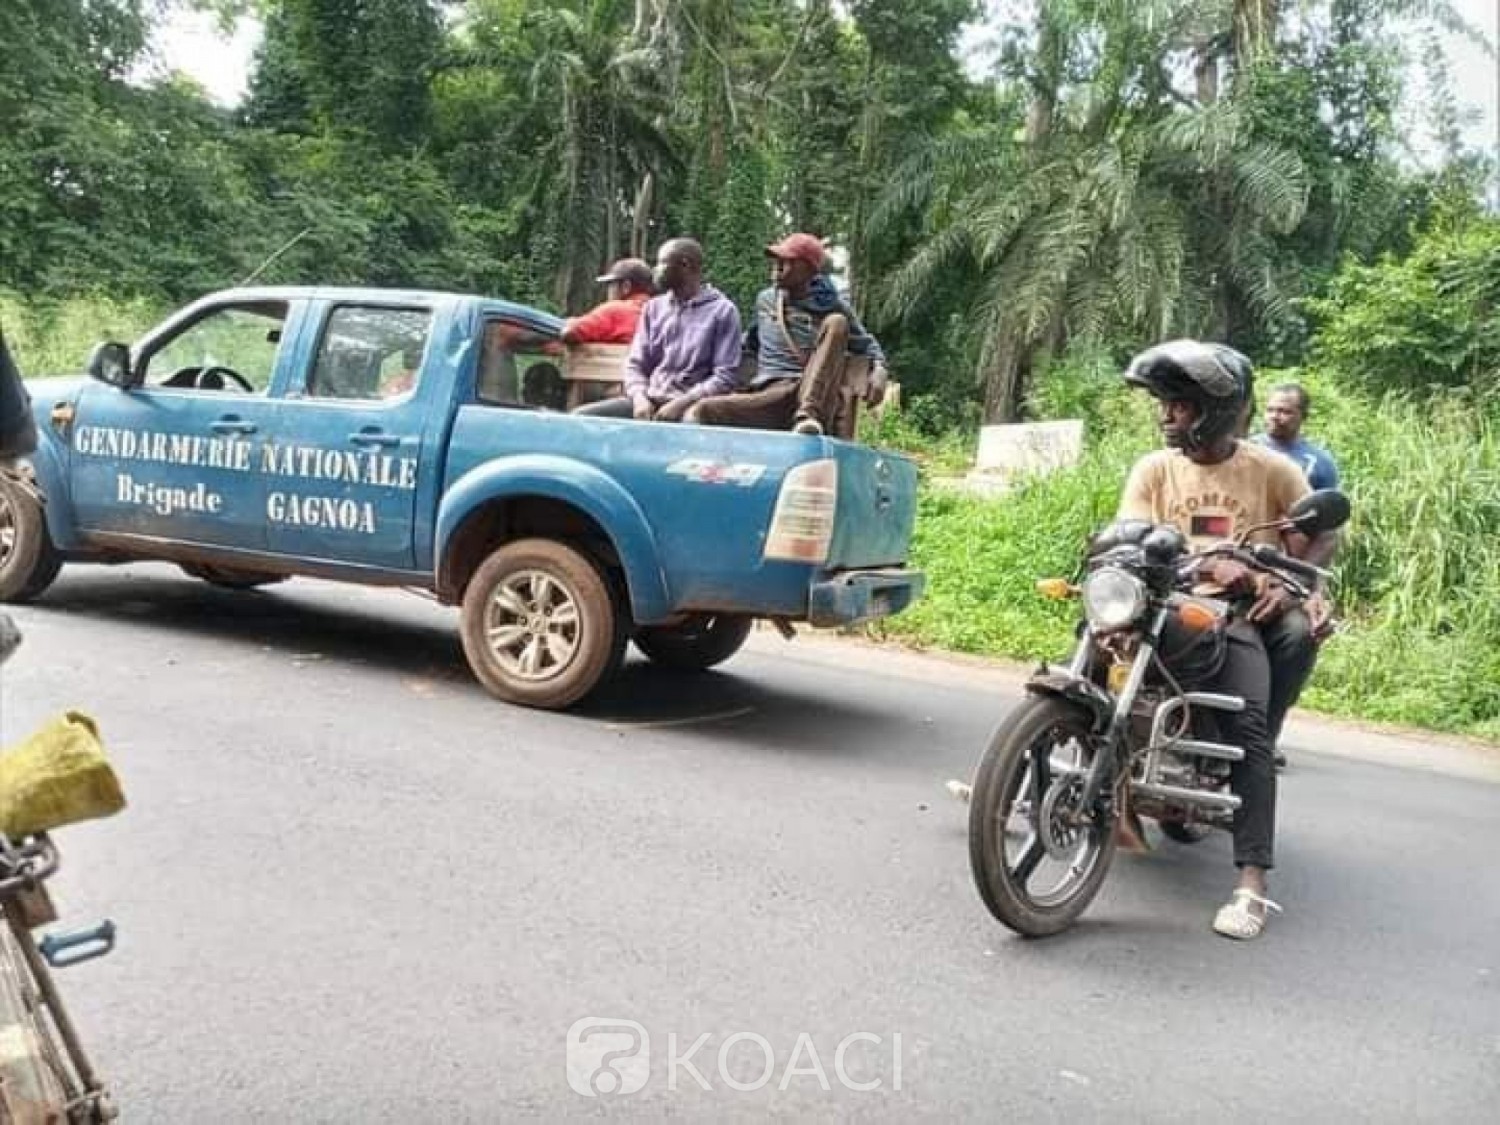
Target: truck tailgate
[[877, 507]]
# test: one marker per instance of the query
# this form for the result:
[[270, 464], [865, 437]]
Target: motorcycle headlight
[[1113, 599]]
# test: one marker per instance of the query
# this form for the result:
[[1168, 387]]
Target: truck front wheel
[[541, 626], [700, 642], [28, 560]]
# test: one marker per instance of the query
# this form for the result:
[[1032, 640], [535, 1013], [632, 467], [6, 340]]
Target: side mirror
[[110, 363], [1120, 533], [1327, 509], [1164, 545]]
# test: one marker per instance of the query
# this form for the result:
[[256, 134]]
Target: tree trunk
[[859, 250], [611, 194], [1206, 72], [1002, 386], [1254, 29], [1041, 111], [640, 223]]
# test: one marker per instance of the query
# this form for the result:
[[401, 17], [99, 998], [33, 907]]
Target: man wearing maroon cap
[[613, 322], [800, 335]]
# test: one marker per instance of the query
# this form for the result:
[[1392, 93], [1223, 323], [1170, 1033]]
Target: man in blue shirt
[[1292, 662], [1286, 411]]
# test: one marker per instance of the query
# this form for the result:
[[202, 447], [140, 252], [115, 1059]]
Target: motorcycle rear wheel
[[1035, 760], [1182, 832]]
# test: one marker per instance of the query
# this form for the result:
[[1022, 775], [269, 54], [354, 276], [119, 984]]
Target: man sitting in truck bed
[[800, 335], [686, 347], [613, 322]]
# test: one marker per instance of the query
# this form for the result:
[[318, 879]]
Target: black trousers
[[1247, 673], [1289, 646]]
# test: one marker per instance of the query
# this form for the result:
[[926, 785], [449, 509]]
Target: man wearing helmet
[[1212, 486]]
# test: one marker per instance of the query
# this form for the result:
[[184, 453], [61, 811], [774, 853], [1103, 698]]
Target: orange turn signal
[[1057, 589], [1196, 617]]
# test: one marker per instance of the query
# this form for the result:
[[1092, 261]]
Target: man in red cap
[[614, 321], [800, 335], [686, 348]]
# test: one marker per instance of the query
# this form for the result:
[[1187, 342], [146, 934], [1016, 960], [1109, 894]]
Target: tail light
[[802, 526]]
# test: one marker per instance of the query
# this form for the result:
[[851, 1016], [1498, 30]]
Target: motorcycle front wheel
[[1036, 867]]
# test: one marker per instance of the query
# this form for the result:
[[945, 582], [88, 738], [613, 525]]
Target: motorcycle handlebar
[[1271, 557], [1265, 557]]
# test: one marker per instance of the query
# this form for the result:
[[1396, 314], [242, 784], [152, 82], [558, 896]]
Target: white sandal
[[1234, 919]]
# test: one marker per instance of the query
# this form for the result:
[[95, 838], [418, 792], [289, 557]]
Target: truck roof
[[491, 305]]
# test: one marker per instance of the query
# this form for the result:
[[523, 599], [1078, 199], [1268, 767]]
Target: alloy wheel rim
[[533, 625], [7, 529], [1067, 855]]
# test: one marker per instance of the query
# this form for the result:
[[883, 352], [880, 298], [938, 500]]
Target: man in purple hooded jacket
[[686, 347]]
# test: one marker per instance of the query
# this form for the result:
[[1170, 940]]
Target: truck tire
[[28, 561], [227, 579], [541, 626], [699, 643]]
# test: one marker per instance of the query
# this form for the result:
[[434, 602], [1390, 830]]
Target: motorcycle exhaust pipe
[[1220, 750], [1221, 802]]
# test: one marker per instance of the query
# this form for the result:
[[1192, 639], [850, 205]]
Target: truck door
[[178, 456], [342, 475]]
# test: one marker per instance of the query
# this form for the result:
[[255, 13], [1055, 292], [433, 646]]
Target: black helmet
[[1214, 377]]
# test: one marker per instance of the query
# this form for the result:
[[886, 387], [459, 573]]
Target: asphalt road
[[352, 888]]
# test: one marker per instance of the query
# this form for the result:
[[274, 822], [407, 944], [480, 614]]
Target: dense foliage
[[1428, 321], [1124, 169]]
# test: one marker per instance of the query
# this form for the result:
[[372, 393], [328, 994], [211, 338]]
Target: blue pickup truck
[[397, 438]]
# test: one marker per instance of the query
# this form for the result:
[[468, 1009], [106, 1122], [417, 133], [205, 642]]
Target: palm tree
[[1120, 205], [603, 88]]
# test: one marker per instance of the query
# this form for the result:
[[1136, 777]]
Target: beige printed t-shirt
[[1212, 503]]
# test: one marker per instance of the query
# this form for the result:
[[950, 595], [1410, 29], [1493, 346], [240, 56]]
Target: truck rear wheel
[[541, 626], [28, 561], [702, 641]]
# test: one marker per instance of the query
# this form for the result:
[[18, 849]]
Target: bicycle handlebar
[[22, 866]]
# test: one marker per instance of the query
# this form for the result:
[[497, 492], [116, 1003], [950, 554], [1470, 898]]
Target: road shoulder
[[1398, 747]]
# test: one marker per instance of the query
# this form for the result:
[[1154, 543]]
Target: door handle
[[232, 425], [374, 437]]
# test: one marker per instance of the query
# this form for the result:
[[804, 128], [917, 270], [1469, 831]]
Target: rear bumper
[[859, 595]]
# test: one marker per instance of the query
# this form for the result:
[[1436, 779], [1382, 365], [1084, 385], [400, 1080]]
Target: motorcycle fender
[[1061, 685]]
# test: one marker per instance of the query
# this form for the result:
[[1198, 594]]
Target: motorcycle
[[1125, 729], [45, 1074]]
